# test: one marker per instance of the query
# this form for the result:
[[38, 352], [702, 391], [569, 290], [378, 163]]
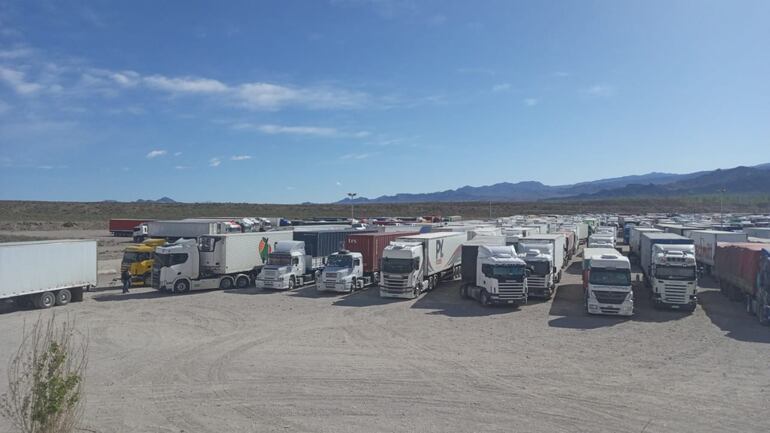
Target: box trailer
[[559, 243], [190, 229], [124, 227], [758, 232], [706, 244], [371, 245], [649, 238], [737, 266], [215, 261], [415, 264], [47, 273], [636, 238]]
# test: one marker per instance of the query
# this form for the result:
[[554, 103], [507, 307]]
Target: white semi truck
[[214, 261], [670, 269], [289, 267], [42, 274], [415, 264], [539, 257], [607, 282], [493, 274]]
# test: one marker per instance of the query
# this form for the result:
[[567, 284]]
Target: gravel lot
[[247, 360]]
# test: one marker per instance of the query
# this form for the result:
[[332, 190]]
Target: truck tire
[[181, 286], [45, 300], [292, 283], [484, 298], [464, 291], [242, 282], [63, 297], [353, 285], [226, 283]]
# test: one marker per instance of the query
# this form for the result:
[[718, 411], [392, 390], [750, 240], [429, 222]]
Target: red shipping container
[[738, 263], [125, 225], [371, 244]]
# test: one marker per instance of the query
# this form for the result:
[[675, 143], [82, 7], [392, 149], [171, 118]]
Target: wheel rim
[[64, 297], [181, 286], [47, 300]]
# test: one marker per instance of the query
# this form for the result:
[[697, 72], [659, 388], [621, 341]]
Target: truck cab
[[498, 275], [601, 240], [344, 272], [607, 282], [175, 265], [673, 276], [402, 270], [138, 260], [542, 279], [288, 267], [141, 232]]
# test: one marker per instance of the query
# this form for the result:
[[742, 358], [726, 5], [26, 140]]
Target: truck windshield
[[130, 257], [279, 260], [397, 266], [340, 261], [675, 273], [508, 271], [163, 260], [610, 277], [540, 267]]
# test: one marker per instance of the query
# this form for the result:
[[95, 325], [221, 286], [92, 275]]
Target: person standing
[[125, 277]]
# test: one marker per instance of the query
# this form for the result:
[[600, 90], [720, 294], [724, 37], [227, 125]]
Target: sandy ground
[[247, 360]]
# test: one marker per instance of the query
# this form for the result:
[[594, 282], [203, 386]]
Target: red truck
[[743, 272], [124, 227]]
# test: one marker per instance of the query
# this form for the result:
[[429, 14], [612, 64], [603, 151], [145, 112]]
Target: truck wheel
[[353, 285], [63, 297], [464, 291], [761, 310], [292, 283], [181, 286], [242, 282], [416, 291], [484, 298], [45, 300]]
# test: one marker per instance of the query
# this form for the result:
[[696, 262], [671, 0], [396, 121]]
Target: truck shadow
[[576, 268], [367, 297], [142, 293], [568, 304], [446, 301], [730, 317]]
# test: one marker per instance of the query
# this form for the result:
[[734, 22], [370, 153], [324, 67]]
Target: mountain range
[[737, 180]]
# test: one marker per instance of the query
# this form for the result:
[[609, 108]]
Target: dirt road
[[247, 360]]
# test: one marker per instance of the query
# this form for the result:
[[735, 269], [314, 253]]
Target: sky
[[295, 101]]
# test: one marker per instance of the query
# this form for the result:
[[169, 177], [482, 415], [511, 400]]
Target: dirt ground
[[248, 360]]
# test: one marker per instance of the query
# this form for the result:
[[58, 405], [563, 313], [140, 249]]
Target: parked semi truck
[[670, 269], [559, 249], [741, 269], [214, 261], [186, 229], [124, 227], [636, 239], [607, 282], [358, 265], [289, 266], [415, 264], [493, 274], [138, 260], [539, 257], [706, 244], [42, 274]]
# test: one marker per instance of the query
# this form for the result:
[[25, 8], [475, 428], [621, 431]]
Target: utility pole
[[351, 196], [490, 209], [721, 207]]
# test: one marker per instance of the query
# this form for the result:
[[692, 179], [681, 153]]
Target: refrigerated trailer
[[706, 244], [636, 237], [214, 261], [47, 273], [415, 264], [188, 229]]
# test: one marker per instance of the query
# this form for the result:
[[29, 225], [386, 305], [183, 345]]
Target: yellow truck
[[138, 260]]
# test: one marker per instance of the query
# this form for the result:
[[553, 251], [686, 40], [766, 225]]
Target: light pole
[[351, 196], [721, 207]]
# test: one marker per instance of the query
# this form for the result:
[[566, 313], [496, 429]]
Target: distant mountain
[[160, 200], [736, 180]]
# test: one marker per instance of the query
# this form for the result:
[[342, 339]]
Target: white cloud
[[531, 102], [266, 96], [357, 155], [177, 153], [338, 183], [181, 167], [240, 157], [16, 80], [318, 131], [215, 162], [502, 87], [16, 53], [599, 91], [185, 84], [156, 153], [290, 188]]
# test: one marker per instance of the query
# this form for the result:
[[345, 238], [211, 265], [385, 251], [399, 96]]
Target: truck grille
[[395, 282], [608, 297], [537, 282], [675, 293], [511, 290]]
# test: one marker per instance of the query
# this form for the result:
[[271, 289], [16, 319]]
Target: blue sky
[[293, 101]]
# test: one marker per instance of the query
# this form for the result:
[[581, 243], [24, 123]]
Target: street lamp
[[351, 196], [721, 207]]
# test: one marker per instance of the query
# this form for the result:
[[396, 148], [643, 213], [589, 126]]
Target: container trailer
[[706, 244], [737, 268], [493, 274], [358, 265], [214, 261], [415, 264], [42, 274], [323, 243], [124, 227]]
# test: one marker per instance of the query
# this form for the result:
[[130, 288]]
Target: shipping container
[[370, 245], [125, 226], [322, 243], [47, 273], [706, 243], [758, 232], [736, 266]]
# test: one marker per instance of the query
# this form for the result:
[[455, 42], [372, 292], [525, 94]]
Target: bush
[[46, 379]]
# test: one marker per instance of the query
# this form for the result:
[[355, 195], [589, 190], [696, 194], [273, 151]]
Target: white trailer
[[216, 261], [634, 241], [187, 229], [559, 243], [47, 273], [706, 244], [414, 264]]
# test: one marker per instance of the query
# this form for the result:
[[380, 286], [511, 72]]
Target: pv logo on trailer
[[439, 251]]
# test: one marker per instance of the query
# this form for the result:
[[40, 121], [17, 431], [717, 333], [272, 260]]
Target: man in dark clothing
[[125, 277]]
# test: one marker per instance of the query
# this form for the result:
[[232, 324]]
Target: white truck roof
[[289, 246], [606, 257]]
